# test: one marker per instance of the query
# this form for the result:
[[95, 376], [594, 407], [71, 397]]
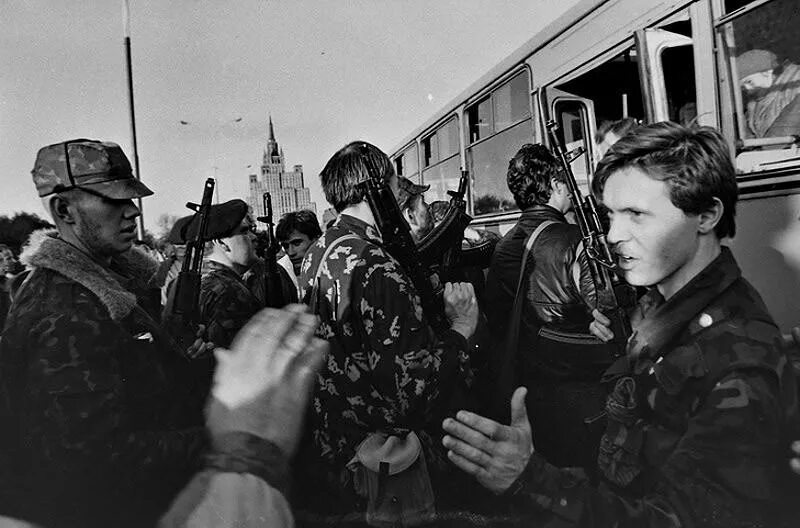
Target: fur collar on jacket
[[46, 250]]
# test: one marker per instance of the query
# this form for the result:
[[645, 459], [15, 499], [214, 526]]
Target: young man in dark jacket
[[704, 403], [554, 356]]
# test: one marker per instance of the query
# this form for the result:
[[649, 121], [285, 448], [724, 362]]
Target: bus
[[653, 60]]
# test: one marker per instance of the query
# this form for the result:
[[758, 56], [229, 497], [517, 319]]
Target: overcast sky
[[327, 71]]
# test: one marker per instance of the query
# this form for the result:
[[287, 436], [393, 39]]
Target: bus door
[[575, 118]]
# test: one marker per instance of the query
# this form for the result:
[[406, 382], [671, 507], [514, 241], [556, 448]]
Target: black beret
[[223, 220]]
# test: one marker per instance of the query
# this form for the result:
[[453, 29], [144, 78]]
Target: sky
[[328, 72]]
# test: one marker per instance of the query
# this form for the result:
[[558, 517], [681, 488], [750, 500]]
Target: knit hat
[[755, 61]]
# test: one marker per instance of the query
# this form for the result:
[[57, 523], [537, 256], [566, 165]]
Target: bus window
[[612, 100], [441, 162], [667, 63], [406, 164], [505, 106], [606, 102], [479, 120], [762, 54], [677, 63], [511, 102], [497, 126]]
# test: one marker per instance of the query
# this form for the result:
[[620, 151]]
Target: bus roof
[[538, 41]]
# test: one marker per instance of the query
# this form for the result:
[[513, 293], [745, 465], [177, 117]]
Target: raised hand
[[263, 383], [495, 454]]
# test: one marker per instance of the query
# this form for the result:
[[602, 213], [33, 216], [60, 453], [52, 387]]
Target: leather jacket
[[553, 298]]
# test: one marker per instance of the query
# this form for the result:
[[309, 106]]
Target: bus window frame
[[400, 154], [488, 94], [447, 120]]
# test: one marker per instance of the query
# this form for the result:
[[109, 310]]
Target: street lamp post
[[129, 70]]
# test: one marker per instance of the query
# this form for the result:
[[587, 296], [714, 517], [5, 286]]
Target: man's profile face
[[106, 227], [655, 242], [756, 85], [296, 246], [241, 248], [6, 261], [421, 218]]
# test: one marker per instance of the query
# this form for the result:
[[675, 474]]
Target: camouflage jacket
[[90, 417], [226, 303], [386, 369], [698, 422]]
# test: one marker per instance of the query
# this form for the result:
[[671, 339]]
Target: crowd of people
[[351, 405]]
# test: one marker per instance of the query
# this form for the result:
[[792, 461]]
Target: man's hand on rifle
[[199, 348], [461, 307], [601, 326]]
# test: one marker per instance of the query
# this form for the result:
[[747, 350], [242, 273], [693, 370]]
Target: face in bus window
[[756, 85], [656, 243]]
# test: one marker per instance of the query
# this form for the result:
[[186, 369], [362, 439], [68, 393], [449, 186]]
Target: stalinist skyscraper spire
[[286, 187]]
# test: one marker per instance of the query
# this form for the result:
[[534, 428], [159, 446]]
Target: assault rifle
[[268, 250], [183, 298], [398, 242], [441, 248], [614, 296]]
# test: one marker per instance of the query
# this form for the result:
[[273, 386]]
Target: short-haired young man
[[387, 370], [555, 356], [296, 232], [698, 418]]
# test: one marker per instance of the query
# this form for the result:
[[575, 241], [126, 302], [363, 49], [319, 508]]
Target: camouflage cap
[[408, 189], [86, 163]]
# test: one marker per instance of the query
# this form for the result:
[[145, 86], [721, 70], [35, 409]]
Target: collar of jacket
[[657, 322], [359, 227], [540, 213], [219, 267], [46, 250]]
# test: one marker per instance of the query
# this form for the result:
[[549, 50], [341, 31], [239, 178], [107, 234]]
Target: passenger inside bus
[[771, 91]]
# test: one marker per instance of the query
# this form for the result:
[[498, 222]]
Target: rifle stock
[[614, 296]]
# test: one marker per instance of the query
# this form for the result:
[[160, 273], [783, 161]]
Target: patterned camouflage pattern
[[101, 166], [89, 408], [386, 369], [698, 420], [226, 303]]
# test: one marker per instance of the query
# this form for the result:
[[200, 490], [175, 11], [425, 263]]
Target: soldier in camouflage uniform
[[387, 370], [89, 415], [704, 403], [226, 303]]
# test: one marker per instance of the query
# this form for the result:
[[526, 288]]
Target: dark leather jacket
[[553, 298]]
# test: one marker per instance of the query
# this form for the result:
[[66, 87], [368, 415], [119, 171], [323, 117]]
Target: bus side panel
[[767, 247], [605, 28]]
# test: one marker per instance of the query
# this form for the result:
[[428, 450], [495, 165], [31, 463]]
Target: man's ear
[[408, 216], [219, 242], [710, 217], [62, 209]]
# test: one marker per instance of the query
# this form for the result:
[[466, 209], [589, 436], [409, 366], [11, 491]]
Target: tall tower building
[[285, 187]]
